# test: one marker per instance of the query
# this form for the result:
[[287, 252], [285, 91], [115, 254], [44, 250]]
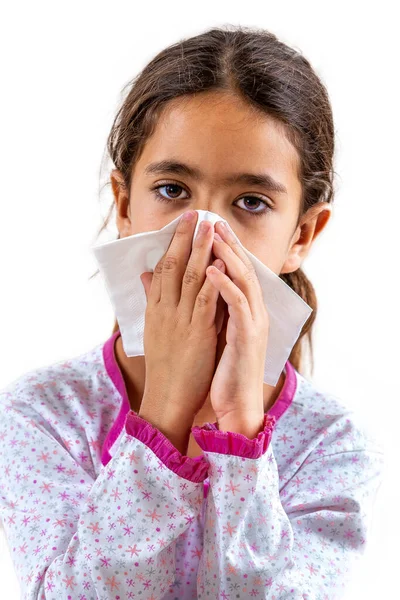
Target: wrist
[[249, 426], [173, 427]]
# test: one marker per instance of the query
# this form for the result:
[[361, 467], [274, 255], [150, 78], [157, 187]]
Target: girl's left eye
[[162, 198]]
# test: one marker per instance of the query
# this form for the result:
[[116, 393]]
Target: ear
[[310, 226], [122, 203]]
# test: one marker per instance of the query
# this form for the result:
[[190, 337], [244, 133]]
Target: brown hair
[[273, 78]]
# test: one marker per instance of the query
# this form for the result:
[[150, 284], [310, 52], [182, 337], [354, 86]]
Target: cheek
[[145, 215], [144, 221], [271, 254]]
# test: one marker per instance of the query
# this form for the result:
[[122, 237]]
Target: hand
[[236, 393], [181, 331]]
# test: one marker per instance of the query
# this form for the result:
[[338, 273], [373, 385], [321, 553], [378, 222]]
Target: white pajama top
[[97, 504]]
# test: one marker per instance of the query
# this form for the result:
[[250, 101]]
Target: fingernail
[[187, 215], [226, 227], [217, 237]]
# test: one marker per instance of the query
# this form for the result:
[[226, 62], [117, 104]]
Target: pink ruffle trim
[[211, 439], [194, 469]]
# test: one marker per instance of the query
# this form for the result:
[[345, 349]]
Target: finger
[[146, 279], [205, 308], [176, 260], [230, 238], [244, 278], [154, 290], [238, 306], [195, 274]]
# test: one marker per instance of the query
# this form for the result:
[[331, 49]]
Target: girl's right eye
[[159, 196]]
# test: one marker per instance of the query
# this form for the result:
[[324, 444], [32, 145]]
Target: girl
[[180, 474]]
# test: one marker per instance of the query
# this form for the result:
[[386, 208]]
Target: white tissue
[[122, 261]]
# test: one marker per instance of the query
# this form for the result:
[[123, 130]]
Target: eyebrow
[[177, 168]]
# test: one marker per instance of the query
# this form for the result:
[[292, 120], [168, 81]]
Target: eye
[[167, 185], [253, 199], [258, 200]]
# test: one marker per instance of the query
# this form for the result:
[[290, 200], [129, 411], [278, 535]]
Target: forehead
[[222, 134]]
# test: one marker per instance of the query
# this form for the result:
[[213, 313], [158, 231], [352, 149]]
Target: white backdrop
[[63, 68]]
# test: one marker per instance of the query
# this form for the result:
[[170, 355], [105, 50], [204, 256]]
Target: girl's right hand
[[182, 321]]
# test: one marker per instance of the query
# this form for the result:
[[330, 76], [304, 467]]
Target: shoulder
[[67, 395], [323, 422]]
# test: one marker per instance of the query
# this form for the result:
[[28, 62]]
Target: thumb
[[146, 279]]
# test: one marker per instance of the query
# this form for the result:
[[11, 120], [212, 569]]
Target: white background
[[63, 68]]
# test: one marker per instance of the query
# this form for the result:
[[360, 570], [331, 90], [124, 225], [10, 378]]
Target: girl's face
[[213, 152]]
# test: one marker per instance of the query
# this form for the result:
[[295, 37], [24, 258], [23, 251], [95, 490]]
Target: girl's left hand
[[236, 392]]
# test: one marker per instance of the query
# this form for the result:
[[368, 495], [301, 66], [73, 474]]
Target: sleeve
[[298, 542], [79, 538]]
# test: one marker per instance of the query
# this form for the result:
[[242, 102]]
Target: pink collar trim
[[280, 406]]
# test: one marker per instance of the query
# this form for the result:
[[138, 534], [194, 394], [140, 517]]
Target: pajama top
[[97, 504]]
